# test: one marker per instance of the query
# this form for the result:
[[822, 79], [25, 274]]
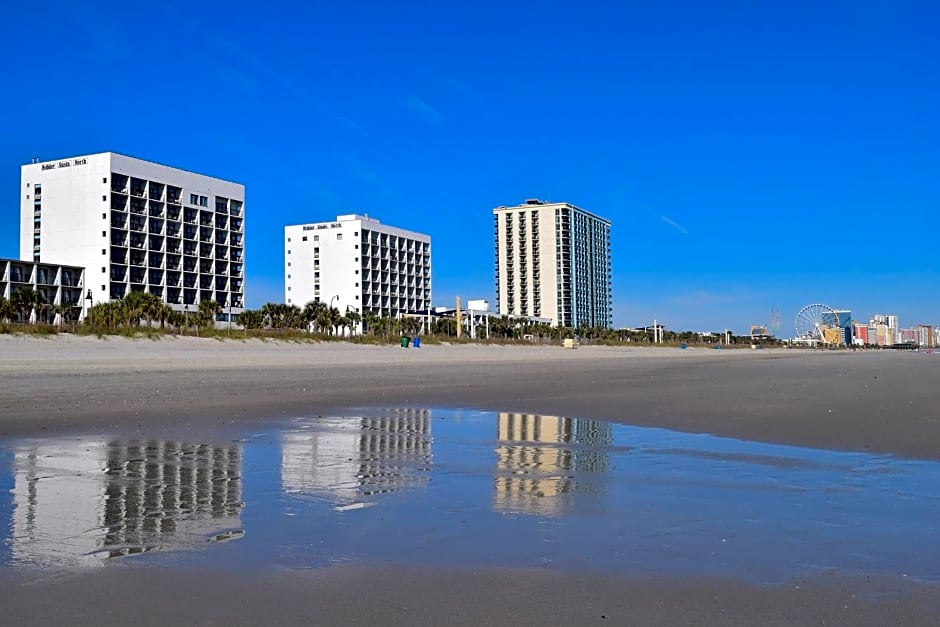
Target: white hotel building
[[357, 264], [137, 226], [553, 261]]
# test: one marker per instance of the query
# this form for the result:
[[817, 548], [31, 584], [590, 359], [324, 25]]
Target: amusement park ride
[[819, 324]]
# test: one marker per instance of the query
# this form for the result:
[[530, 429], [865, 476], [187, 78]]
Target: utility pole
[[459, 320]]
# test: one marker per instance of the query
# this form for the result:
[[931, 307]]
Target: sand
[[881, 402], [877, 401]]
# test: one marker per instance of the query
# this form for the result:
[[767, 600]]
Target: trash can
[[682, 345], [417, 342], [405, 340]]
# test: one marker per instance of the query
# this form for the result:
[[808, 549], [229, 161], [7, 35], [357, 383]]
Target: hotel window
[[316, 238], [339, 236], [288, 240], [304, 238], [193, 199]]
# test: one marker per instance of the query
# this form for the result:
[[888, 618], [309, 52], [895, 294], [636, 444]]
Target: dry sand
[[873, 401]]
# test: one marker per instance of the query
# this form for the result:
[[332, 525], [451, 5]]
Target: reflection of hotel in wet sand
[[538, 458], [78, 501], [346, 458]]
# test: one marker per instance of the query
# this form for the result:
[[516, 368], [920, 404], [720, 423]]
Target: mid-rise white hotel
[[137, 226], [356, 263], [553, 261]]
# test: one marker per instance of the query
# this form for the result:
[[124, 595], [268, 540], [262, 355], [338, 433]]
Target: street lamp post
[[89, 299], [186, 319], [331, 304]]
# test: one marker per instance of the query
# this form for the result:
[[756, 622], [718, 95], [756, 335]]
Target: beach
[[878, 402]]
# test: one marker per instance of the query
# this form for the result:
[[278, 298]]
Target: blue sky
[[749, 155]]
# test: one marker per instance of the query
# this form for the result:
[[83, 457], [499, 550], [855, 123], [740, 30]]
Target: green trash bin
[[405, 341]]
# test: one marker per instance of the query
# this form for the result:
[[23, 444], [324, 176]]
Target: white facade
[[357, 264], [553, 261], [137, 226]]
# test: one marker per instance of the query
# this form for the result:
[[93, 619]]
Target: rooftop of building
[[531, 203], [37, 161]]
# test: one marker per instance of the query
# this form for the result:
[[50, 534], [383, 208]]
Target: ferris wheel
[[812, 320]]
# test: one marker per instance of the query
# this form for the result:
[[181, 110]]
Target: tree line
[[137, 309]]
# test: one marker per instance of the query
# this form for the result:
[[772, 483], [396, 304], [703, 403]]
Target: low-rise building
[[56, 285]]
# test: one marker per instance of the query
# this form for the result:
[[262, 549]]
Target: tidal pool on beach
[[467, 489]]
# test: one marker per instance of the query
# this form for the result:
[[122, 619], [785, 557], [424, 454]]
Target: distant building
[[842, 320], [553, 261], [860, 333], [357, 263], [56, 285], [137, 226], [925, 336]]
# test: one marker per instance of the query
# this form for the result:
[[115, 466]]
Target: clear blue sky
[[750, 155]]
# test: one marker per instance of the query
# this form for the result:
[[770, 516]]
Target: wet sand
[[869, 401]]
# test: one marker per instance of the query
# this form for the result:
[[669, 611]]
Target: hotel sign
[[64, 164]]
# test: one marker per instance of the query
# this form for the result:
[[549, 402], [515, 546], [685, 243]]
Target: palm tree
[[151, 307], [7, 309], [134, 303], [371, 320], [23, 301], [313, 311], [353, 318], [251, 319], [208, 310]]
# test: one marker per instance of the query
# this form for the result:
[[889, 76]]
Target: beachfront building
[[356, 263], [137, 226], [60, 289], [553, 261]]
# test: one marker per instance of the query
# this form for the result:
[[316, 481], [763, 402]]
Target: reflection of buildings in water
[[348, 458], [162, 493], [538, 456], [74, 503]]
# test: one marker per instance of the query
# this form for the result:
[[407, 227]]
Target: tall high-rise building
[[137, 226], [356, 263], [553, 261]]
